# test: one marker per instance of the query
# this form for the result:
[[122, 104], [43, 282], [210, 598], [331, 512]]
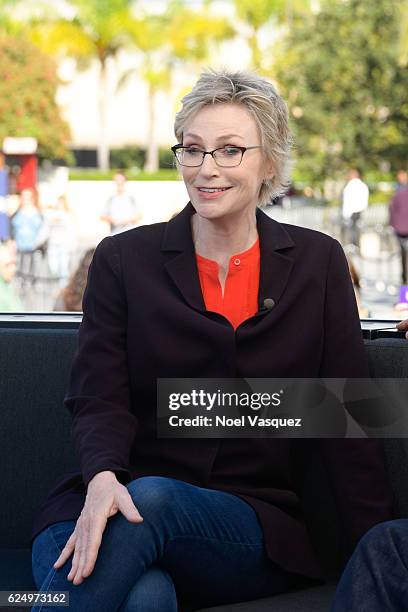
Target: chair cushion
[[36, 449], [316, 599], [15, 570]]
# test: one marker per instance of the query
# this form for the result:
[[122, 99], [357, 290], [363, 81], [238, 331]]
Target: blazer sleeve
[[98, 395], [355, 466], [344, 355]]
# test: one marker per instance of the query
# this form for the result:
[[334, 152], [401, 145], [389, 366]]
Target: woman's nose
[[209, 167]]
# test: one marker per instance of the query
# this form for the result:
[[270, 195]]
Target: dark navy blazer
[[144, 318]]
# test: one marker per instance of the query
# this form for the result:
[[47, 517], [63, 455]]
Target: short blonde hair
[[265, 105]]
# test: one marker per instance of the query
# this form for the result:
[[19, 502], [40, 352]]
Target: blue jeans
[[197, 545], [376, 577]]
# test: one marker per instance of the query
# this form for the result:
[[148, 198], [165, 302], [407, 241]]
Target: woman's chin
[[209, 210]]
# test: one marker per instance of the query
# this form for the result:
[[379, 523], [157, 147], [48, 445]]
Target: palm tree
[[98, 30], [149, 35], [178, 36]]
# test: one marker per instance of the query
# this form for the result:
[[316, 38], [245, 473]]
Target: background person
[[402, 180], [62, 239], [4, 227], [28, 230], [9, 301], [4, 190], [399, 222], [121, 210], [210, 521], [4, 181], [70, 298], [354, 201]]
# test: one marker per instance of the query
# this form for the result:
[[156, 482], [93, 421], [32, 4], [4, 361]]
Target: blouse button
[[237, 261]]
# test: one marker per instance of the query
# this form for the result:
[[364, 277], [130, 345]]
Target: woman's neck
[[29, 208], [219, 239]]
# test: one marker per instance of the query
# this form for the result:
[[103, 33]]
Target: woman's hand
[[403, 326], [105, 497]]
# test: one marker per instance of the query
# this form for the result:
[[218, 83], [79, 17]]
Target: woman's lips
[[211, 195]]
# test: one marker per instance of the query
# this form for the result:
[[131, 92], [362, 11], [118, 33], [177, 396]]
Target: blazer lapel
[[182, 267], [276, 264]]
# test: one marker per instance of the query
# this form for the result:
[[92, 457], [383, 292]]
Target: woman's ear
[[269, 170]]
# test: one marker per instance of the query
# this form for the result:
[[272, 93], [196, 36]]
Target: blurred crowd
[[355, 198], [30, 233]]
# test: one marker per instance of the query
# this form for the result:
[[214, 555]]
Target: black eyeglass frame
[[177, 147]]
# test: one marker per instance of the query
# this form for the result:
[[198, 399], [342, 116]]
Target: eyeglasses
[[225, 157]]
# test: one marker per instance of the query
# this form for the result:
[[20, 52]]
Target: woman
[[219, 291], [28, 230], [27, 222], [62, 235], [70, 298]]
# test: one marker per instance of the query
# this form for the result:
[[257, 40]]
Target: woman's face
[[27, 197], [216, 126]]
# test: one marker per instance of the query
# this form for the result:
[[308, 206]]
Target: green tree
[[7, 23], [339, 70], [403, 55], [28, 84], [97, 32], [256, 14]]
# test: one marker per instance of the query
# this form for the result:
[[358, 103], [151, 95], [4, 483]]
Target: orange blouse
[[240, 300]]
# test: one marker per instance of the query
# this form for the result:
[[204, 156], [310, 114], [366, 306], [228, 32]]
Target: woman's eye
[[230, 151], [192, 150]]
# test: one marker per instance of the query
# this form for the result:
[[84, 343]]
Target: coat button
[[269, 303], [237, 261]]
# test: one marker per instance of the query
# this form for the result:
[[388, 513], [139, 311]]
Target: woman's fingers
[[75, 560], [66, 551], [127, 507], [97, 527], [403, 326], [85, 541], [80, 555], [87, 548], [93, 530], [80, 545]]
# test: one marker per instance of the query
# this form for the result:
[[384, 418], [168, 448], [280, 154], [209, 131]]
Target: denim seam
[[54, 572], [47, 589], [55, 542]]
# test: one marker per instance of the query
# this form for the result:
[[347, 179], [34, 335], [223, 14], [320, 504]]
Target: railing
[[371, 328]]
